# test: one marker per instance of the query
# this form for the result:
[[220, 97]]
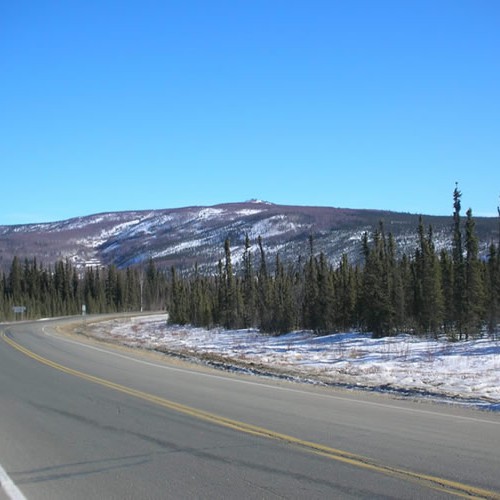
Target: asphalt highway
[[81, 419]]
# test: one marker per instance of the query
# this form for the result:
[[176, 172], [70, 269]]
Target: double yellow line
[[433, 482]]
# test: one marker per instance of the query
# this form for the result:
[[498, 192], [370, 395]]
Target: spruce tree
[[448, 292], [179, 309], [310, 307], [325, 306], [152, 294], [111, 289], [395, 284], [377, 309], [429, 299], [282, 303], [406, 276], [493, 290], [15, 282], [458, 265], [230, 297], [132, 290], [90, 290], [264, 291], [248, 285], [344, 295], [196, 299], [473, 292]]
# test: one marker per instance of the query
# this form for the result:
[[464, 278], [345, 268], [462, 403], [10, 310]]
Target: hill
[[183, 236]]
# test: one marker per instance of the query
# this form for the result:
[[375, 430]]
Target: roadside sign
[[19, 310]]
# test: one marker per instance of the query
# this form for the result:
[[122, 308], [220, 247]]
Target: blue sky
[[121, 105]]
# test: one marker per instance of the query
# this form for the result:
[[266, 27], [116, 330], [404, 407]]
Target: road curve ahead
[[80, 419]]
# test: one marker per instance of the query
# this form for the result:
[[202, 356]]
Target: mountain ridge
[[195, 234]]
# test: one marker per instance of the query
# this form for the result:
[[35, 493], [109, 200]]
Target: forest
[[454, 292]]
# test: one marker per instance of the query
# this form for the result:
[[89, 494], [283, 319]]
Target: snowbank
[[462, 371]]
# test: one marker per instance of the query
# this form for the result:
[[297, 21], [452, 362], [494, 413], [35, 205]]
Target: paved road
[[81, 420]]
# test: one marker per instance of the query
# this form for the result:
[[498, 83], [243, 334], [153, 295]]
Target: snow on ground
[[248, 211], [183, 245], [462, 371]]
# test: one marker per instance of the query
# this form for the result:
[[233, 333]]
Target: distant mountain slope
[[187, 235]]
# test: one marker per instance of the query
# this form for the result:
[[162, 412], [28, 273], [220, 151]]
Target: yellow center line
[[452, 487]]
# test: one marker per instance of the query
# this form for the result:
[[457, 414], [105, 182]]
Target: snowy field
[[461, 372]]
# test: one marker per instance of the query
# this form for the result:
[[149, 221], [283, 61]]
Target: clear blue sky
[[118, 105]]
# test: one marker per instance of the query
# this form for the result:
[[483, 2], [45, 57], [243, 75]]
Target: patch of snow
[[185, 245], [358, 235], [210, 213], [466, 370], [248, 211], [259, 202], [273, 226], [106, 234]]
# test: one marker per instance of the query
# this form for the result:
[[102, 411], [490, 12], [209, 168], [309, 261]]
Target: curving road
[[80, 420]]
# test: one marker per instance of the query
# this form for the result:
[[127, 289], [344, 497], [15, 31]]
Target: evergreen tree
[[282, 303], [3, 310], [207, 303], [473, 313], [248, 285], [493, 290], [132, 299], [448, 293], [344, 295], [325, 307], [76, 291], [178, 310], [15, 287], [196, 298], [45, 293], [458, 265], [114, 290], [429, 299], [310, 307], [230, 309], [152, 293], [200, 303], [100, 292], [395, 287], [378, 311], [264, 292], [90, 290], [406, 275]]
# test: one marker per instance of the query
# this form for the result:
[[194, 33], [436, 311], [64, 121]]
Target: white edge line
[[12, 491]]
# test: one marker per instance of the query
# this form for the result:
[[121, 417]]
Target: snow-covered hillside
[[184, 236], [460, 372]]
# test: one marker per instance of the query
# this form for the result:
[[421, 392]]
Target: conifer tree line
[[453, 292], [62, 290]]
